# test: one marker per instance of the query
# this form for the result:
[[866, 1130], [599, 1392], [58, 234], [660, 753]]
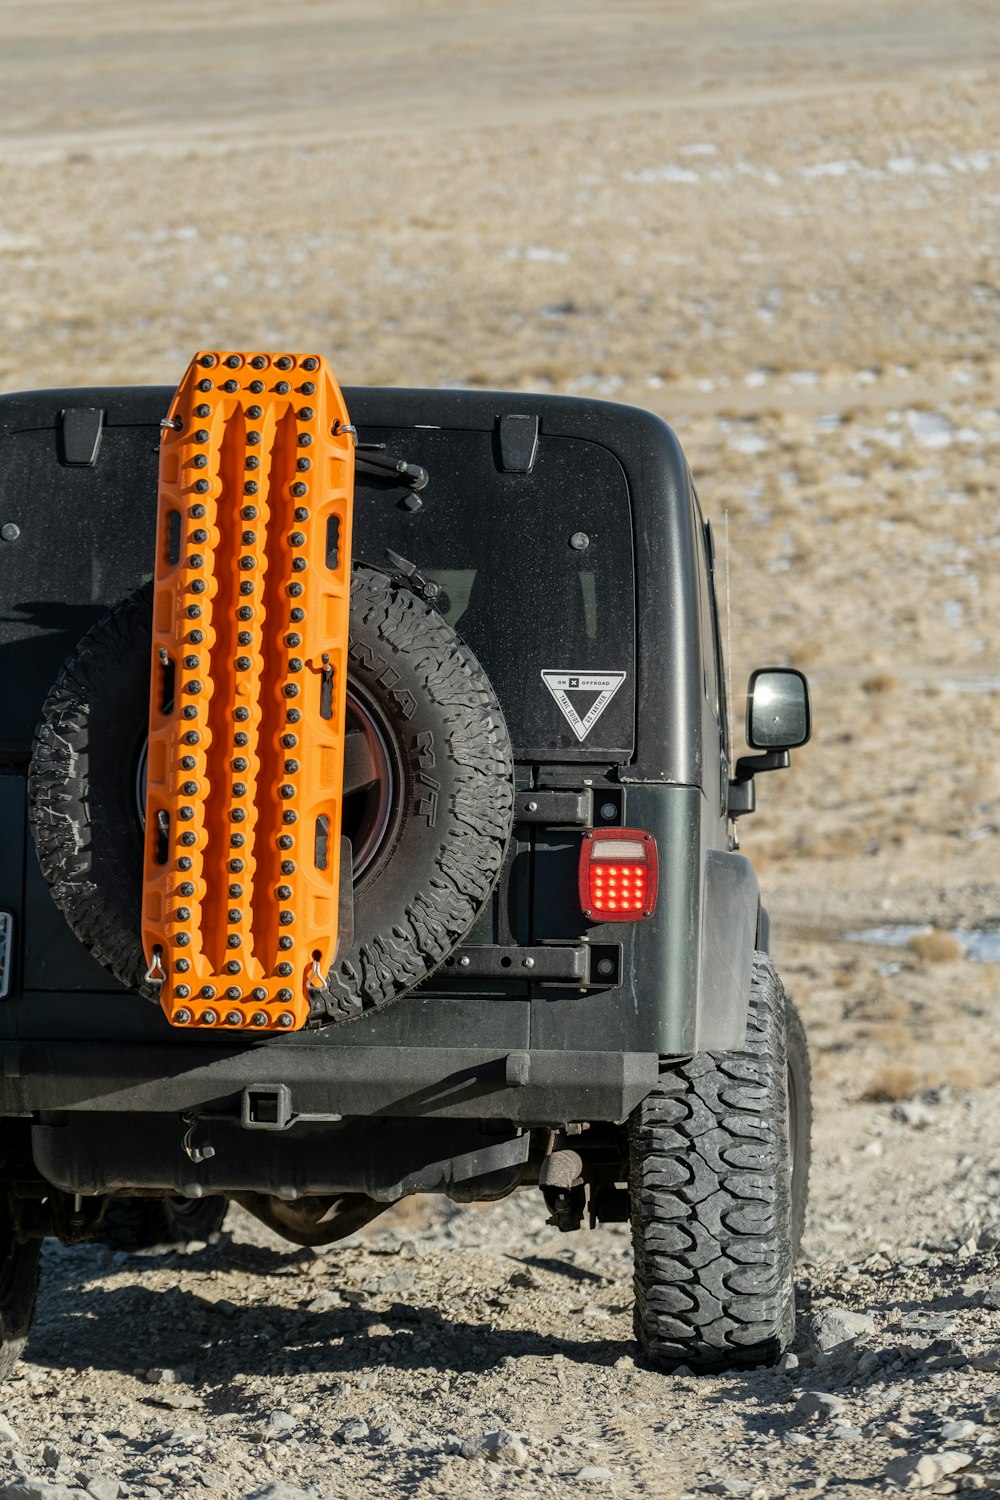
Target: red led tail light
[[619, 874]]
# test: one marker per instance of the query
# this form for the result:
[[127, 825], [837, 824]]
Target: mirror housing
[[778, 719], [778, 715]]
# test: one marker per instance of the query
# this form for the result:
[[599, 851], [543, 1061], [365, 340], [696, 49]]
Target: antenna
[[729, 628]]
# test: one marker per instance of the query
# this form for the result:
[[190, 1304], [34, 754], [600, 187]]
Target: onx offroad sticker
[[583, 696]]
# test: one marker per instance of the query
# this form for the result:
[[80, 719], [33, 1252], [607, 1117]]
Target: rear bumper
[[526, 1087]]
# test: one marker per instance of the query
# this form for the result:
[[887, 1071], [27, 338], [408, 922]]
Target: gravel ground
[[777, 226]]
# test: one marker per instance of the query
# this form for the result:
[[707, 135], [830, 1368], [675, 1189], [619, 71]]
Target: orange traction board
[[246, 719]]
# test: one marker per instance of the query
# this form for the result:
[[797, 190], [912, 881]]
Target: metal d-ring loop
[[156, 973]]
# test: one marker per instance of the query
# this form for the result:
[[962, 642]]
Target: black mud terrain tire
[[18, 1289], [434, 814], [83, 787], [453, 799], [144, 1223], [719, 1167]]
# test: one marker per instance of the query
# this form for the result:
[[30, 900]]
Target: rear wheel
[[18, 1289], [719, 1166]]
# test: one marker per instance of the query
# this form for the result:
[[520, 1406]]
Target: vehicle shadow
[[81, 1328]]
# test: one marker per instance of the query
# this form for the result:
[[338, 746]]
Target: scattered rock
[[325, 1301], [8, 1437], [991, 1297], [920, 1471], [104, 1489], [500, 1446], [176, 1400], [169, 1377], [833, 1326], [354, 1430], [844, 1432], [957, 1432], [280, 1422], [389, 1436], [39, 1489], [593, 1474], [820, 1404]]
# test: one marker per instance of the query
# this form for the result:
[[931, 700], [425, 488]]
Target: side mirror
[[777, 709]]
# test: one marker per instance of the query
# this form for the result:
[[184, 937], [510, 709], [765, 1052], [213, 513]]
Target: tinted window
[[526, 598]]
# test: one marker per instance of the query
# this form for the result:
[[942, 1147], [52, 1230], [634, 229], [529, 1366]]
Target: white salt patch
[[930, 429], [543, 253], [902, 165], [698, 148], [954, 612], [537, 253], [668, 173], [983, 947], [11, 242], [980, 944], [755, 379], [747, 442], [830, 169], [969, 684], [895, 936], [975, 161]]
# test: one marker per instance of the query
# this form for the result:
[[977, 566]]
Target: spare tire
[[428, 793]]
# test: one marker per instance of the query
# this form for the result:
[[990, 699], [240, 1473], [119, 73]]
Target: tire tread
[[714, 1227]]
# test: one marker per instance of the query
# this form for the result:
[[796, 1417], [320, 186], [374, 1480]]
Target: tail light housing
[[619, 875]]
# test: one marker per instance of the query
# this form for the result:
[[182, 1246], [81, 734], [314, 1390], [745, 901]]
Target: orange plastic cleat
[[246, 718]]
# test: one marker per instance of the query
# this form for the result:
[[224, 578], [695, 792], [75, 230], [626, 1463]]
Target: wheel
[[141, 1223], [718, 1177], [428, 792], [18, 1289], [435, 799]]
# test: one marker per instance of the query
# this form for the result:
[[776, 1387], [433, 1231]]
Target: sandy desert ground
[[777, 225]]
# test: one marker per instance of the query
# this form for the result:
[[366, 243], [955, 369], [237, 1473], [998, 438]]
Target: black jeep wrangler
[[367, 807]]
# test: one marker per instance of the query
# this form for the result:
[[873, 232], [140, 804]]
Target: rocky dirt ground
[[777, 226]]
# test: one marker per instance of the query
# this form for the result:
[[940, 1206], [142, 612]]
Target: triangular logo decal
[[583, 696]]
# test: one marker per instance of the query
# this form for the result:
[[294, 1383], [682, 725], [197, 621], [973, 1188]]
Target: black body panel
[[86, 536]]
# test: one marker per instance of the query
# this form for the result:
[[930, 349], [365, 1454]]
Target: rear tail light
[[619, 873]]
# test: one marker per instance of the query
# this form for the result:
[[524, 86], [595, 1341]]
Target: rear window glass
[[536, 572]]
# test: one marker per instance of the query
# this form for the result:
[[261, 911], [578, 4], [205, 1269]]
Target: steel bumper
[[325, 1081]]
